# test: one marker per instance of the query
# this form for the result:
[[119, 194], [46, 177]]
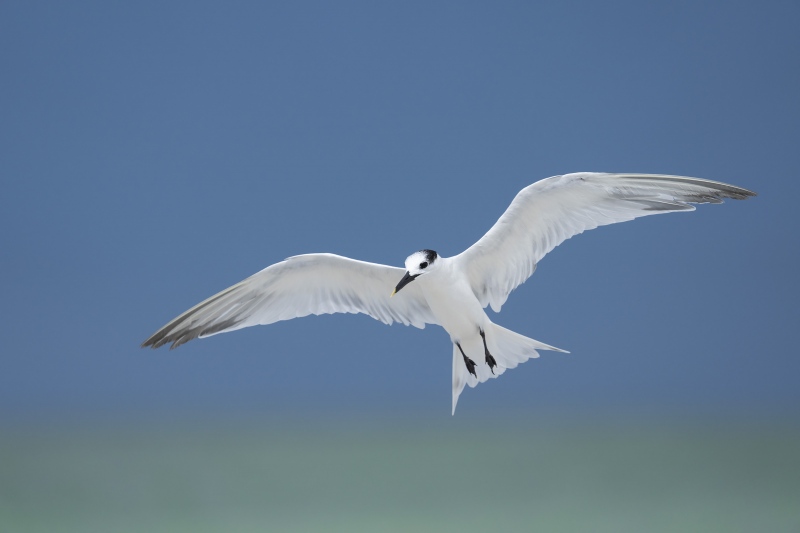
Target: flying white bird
[[450, 291]]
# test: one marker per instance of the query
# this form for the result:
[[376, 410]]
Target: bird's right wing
[[545, 214], [299, 286]]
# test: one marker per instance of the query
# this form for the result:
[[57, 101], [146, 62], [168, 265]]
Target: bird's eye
[[423, 264]]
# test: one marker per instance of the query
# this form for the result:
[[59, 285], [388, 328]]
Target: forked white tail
[[508, 349]]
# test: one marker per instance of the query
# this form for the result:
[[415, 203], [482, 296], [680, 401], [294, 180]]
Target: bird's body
[[452, 301], [450, 291]]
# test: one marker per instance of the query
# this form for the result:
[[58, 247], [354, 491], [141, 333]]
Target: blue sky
[[153, 154]]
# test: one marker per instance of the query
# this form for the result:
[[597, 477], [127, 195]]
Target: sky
[[152, 154]]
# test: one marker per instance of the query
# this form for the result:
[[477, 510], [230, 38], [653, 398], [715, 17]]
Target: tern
[[450, 291]]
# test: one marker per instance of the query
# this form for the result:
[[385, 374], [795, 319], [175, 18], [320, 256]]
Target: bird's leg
[[467, 361], [489, 359]]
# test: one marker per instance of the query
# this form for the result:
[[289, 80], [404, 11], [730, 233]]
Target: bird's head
[[417, 264]]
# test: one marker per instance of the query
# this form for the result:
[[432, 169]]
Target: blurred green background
[[402, 474]]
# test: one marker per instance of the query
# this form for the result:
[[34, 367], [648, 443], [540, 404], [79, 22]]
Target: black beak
[[408, 278]]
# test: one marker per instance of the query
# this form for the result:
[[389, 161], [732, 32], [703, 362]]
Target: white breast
[[452, 301]]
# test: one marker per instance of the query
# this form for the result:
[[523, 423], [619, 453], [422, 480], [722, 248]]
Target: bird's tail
[[508, 349]]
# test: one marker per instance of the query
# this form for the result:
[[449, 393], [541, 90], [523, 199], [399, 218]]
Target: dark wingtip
[[151, 345], [738, 193], [157, 340]]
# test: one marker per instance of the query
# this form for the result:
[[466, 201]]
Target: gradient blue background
[[153, 154]]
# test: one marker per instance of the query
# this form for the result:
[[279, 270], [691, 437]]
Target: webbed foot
[[489, 358], [467, 361]]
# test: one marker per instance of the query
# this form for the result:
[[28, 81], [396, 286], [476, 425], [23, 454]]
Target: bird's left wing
[[545, 214], [299, 286]]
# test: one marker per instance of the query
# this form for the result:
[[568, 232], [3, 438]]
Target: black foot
[[467, 361], [489, 359], [470, 366]]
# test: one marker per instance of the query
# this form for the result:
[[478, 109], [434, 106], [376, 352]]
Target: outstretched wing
[[299, 286], [550, 211]]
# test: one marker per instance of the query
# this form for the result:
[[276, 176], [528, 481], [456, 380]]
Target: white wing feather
[[550, 211], [299, 286]]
